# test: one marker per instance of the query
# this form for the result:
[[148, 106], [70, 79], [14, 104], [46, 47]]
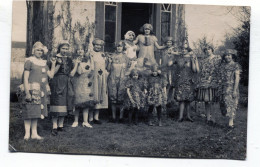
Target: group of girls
[[90, 80]]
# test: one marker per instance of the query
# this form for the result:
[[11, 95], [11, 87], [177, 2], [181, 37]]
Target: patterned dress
[[136, 87], [185, 80], [156, 96], [38, 88], [209, 79], [146, 45], [116, 78], [83, 85], [61, 88], [228, 102], [100, 79]]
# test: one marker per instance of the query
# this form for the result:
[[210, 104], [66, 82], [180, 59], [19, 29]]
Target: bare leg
[[208, 110], [61, 121], [121, 112], [96, 115], [150, 114], [90, 116], [54, 123], [188, 112], [85, 118], [76, 118], [27, 127], [34, 130], [181, 111], [113, 111]]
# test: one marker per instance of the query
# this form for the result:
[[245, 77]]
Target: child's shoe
[[75, 124], [42, 116], [54, 132], [86, 124], [37, 137], [97, 122], [160, 123], [150, 123], [26, 138]]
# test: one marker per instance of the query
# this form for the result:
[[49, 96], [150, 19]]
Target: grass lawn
[[173, 139]]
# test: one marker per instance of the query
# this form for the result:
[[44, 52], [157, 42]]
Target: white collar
[[39, 62]]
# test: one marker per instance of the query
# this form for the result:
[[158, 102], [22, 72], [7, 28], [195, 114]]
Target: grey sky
[[211, 21]]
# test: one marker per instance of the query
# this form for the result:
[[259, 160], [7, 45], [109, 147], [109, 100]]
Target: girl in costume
[[117, 68], [60, 86], [131, 50], [83, 87], [35, 88], [147, 43], [100, 62], [136, 89], [156, 97]]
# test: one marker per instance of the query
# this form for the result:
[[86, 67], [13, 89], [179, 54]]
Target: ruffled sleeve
[[154, 38], [27, 65]]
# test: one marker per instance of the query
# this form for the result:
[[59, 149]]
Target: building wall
[[74, 21]]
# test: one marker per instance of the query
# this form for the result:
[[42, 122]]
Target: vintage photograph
[[129, 79]]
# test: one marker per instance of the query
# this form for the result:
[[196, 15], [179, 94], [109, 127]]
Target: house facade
[[82, 21]]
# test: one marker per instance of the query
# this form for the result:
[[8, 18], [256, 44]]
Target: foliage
[[200, 44], [239, 40]]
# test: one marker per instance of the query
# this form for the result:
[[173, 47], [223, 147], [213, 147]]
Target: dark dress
[[185, 80], [38, 88], [61, 89]]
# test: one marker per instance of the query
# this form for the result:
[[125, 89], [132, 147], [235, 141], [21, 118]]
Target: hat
[[98, 41], [39, 45], [148, 26], [128, 33], [63, 42], [169, 39], [230, 51], [120, 43]]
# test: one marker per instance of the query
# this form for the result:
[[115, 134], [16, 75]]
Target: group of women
[[91, 80]]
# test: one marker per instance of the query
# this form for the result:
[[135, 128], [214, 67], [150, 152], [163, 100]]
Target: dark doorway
[[134, 15]]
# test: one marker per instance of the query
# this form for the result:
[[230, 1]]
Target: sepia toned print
[[129, 79]]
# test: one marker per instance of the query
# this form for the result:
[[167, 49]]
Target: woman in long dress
[[230, 76]]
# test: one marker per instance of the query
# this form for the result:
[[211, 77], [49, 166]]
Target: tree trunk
[[39, 24]]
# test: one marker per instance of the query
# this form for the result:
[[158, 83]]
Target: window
[[166, 12], [110, 25]]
